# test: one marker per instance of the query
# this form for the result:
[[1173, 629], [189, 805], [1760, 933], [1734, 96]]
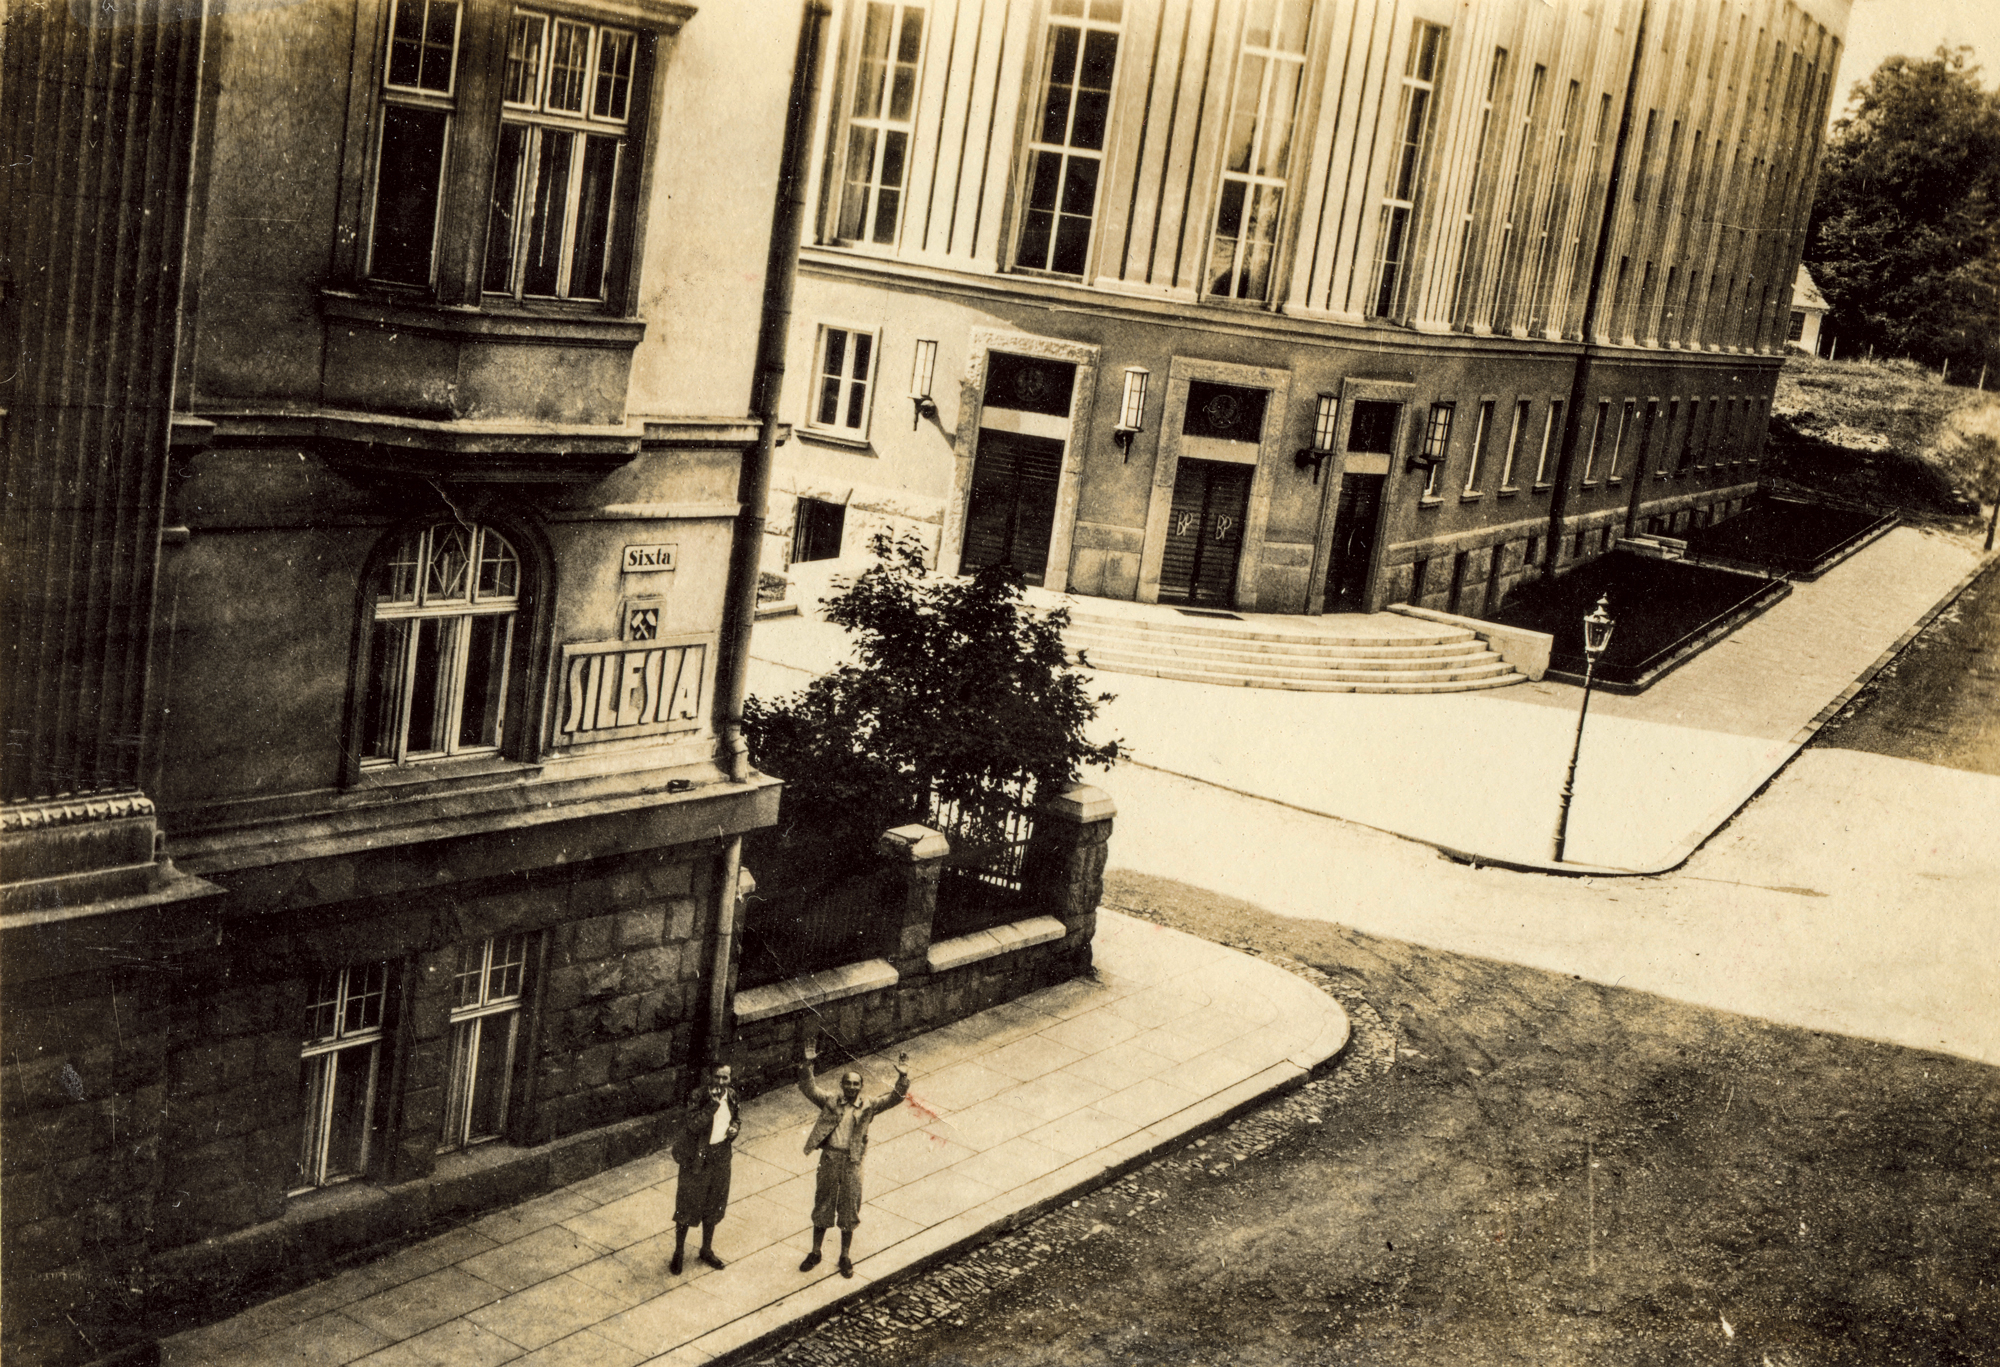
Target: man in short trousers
[[841, 1136]]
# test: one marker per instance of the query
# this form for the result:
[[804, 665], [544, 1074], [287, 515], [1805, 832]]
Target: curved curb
[[1681, 850]]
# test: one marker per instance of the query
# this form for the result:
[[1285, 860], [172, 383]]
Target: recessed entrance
[[1205, 532], [1011, 512], [1353, 543]]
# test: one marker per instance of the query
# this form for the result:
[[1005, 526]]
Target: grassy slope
[[1886, 433]]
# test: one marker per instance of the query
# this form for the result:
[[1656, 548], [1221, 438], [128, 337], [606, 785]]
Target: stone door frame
[[1181, 372], [1355, 390]]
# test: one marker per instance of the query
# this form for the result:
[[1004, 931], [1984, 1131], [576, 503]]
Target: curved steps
[[1245, 655]]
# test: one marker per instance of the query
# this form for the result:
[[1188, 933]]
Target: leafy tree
[[959, 693], [1905, 232]]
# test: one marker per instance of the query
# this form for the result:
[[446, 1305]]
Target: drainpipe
[[1579, 389], [753, 487]]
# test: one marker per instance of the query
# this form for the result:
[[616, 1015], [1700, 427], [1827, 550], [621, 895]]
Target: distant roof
[[1805, 294]]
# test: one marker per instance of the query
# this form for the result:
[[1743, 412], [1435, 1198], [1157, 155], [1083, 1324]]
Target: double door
[[1011, 513], [1205, 533]]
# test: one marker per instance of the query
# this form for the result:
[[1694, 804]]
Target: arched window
[[445, 602]]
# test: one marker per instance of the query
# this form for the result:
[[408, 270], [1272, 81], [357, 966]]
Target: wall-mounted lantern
[[922, 370], [1131, 409], [1317, 454]]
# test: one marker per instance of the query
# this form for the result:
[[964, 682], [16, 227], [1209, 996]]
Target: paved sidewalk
[[1478, 774], [1011, 1112]]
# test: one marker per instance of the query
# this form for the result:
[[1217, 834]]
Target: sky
[[1883, 28]]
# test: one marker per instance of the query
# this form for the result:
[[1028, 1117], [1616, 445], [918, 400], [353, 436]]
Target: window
[[816, 529], [1797, 329], [1437, 445], [1066, 154], [1618, 443], [1406, 169], [1516, 438], [553, 111], [1530, 108], [1667, 436], [844, 371], [419, 88], [1596, 440], [340, 1063], [1550, 427], [566, 92], [880, 121], [485, 1020], [1270, 73], [1479, 434], [1468, 233], [1645, 168], [441, 645]]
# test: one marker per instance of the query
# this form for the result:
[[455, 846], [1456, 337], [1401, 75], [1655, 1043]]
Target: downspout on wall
[[1579, 389], [754, 487]]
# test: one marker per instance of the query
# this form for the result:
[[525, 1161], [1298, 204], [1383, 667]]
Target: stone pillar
[[1065, 866], [918, 853]]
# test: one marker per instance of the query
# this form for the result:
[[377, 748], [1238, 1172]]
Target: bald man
[[841, 1136]]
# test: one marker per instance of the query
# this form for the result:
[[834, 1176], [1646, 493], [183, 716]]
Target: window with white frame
[[1406, 169], [566, 96], [1551, 429], [419, 100], [1517, 437], [1436, 447], [441, 646], [487, 993], [554, 99], [340, 1065], [843, 382], [1530, 110], [1597, 430], [1468, 225], [1625, 417], [1263, 120], [1481, 430], [1066, 151], [881, 119]]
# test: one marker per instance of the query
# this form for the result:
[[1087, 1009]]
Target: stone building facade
[[1295, 305], [379, 381]]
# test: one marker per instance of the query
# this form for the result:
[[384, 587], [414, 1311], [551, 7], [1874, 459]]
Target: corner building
[[1295, 305], [378, 392]]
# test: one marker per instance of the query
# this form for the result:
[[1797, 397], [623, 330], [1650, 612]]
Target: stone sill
[[986, 944], [796, 994]]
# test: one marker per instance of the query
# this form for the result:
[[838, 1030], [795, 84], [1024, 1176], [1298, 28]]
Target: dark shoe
[[707, 1255], [847, 1267], [812, 1261], [674, 1267]]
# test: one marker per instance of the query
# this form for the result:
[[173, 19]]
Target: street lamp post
[[1596, 637]]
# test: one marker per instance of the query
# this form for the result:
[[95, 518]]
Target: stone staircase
[[1364, 658]]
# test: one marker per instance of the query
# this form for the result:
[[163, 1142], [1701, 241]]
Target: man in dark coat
[[703, 1148], [841, 1136]]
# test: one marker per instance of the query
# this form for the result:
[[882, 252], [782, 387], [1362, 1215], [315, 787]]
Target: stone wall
[[926, 985]]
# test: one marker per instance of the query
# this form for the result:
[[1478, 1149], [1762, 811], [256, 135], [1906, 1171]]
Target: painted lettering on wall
[[642, 558], [608, 688]]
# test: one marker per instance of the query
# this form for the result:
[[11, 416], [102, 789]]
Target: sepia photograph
[[999, 683]]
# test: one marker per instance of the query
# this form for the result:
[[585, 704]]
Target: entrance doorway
[[1011, 511], [1353, 543], [1205, 532]]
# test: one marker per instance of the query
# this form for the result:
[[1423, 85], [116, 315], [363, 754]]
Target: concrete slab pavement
[[1011, 1111]]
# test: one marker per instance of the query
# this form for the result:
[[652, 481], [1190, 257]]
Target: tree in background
[[1905, 232], [960, 692]]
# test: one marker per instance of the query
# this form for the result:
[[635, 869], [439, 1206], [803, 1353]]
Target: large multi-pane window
[[1530, 109], [487, 993], [445, 602], [1468, 225], [419, 89], [1263, 120], [844, 372], [340, 1064], [1406, 169], [566, 96], [1066, 154], [875, 164]]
